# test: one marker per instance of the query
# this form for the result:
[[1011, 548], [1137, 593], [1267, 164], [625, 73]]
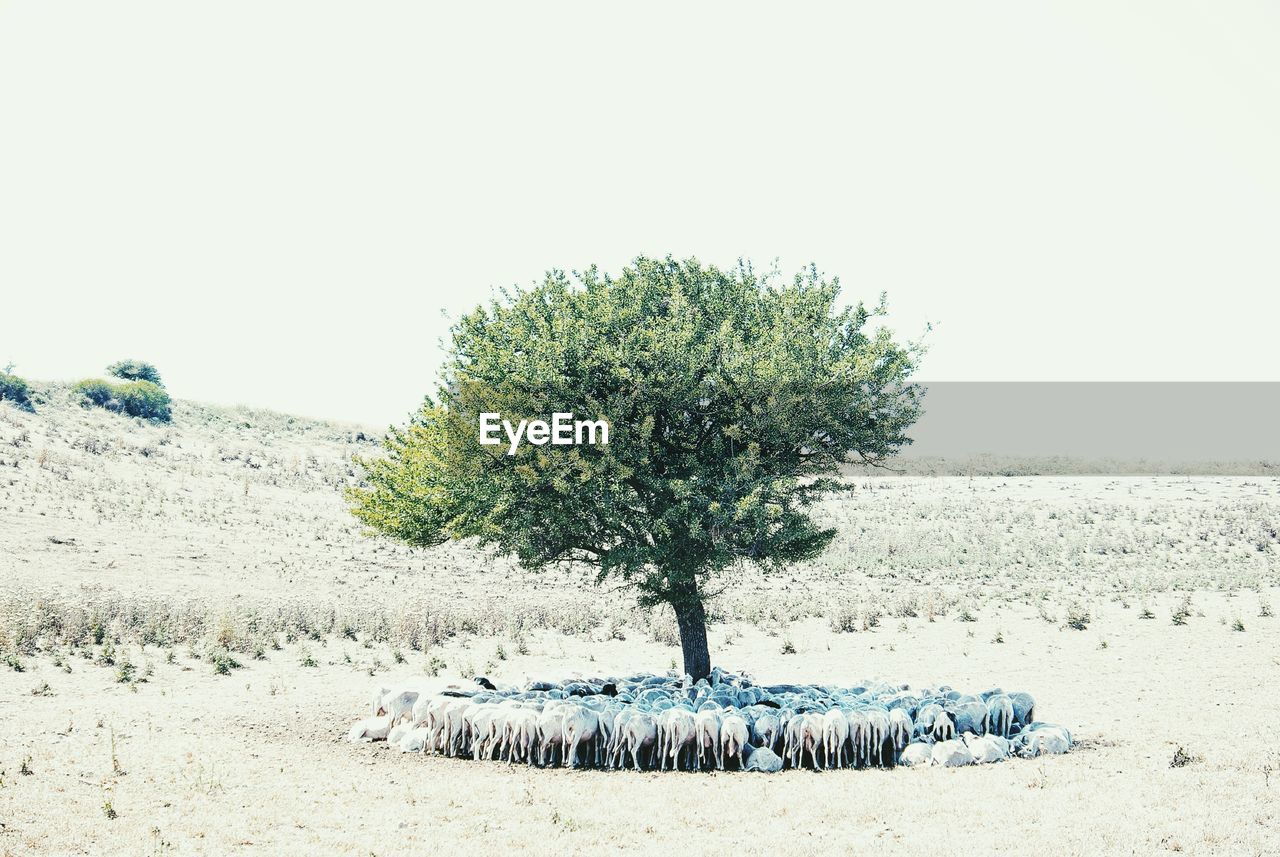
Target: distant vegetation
[[142, 395], [1061, 465], [14, 389], [135, 370]]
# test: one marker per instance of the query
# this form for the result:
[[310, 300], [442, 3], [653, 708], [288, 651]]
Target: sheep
[[733, 739], [641, 735], [900, 729], [943, 728], [376, 709], [605, 727], [1024, 709], [1063, 731], [766, 731], [878, 722], [835, 734], [916, 754], [952, 754], [415, 740], [804, 733], [706, 725], [968, 716], [647, 721], [370, 729], [677, 732], [763, 759], [617, 750], [986, 748], [398, 704], [484, 731], [581, 726], [1042, 739], [859, 736], [521, 735], [397, 732], [926, 717], [456, 728], [550, 735], [1000, 715]]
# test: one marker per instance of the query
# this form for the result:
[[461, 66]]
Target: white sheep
[[706, 727], [1042, 740], [986, 748], [550, 734], [900, 728], [952, 754], [766, 730], [397, 732], [943, 727], [804, 732], [676, 731], [379, 692], [581, 727], [1000, 715], [370, 729], [641, 735], [878, 720], [521, 735], [835, 732], [415, 740], [859, 735], [733, 738], [764, 760], [917, 754]]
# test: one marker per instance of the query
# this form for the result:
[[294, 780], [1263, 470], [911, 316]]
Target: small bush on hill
[[141, 399], [145, 399], [93, 392], [135, 370], [14, 389], [1078, 618]]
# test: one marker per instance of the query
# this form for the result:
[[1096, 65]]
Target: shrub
[[135, 370], [843, 621], [1078, 618], [14, 389], [141, 399], [144, 399], [223, 662], [95, 393]]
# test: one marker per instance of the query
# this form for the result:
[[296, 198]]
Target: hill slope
[[231, 520]]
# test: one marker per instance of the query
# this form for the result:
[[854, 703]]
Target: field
[[190, 620]]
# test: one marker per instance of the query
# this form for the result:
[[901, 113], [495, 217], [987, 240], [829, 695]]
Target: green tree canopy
[[135, 370], [731, 402]]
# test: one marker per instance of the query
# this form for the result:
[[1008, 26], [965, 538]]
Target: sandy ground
[[253, 762]]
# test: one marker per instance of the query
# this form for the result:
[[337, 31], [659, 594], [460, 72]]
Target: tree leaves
[[731, 401]]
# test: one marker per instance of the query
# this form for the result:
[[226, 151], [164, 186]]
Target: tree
[[135, 370], [731, 401]]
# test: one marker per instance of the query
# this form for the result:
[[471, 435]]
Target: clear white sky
[[275, 201]]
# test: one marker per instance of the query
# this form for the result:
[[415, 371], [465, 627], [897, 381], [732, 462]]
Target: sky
[[284, 204]]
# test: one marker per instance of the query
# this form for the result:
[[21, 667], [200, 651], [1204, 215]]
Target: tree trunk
[[692, 619]]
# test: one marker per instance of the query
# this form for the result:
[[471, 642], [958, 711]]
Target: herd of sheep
[[723, 723]]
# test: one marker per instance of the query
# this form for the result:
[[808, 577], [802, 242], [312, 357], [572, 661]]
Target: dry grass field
[[190, 620]]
